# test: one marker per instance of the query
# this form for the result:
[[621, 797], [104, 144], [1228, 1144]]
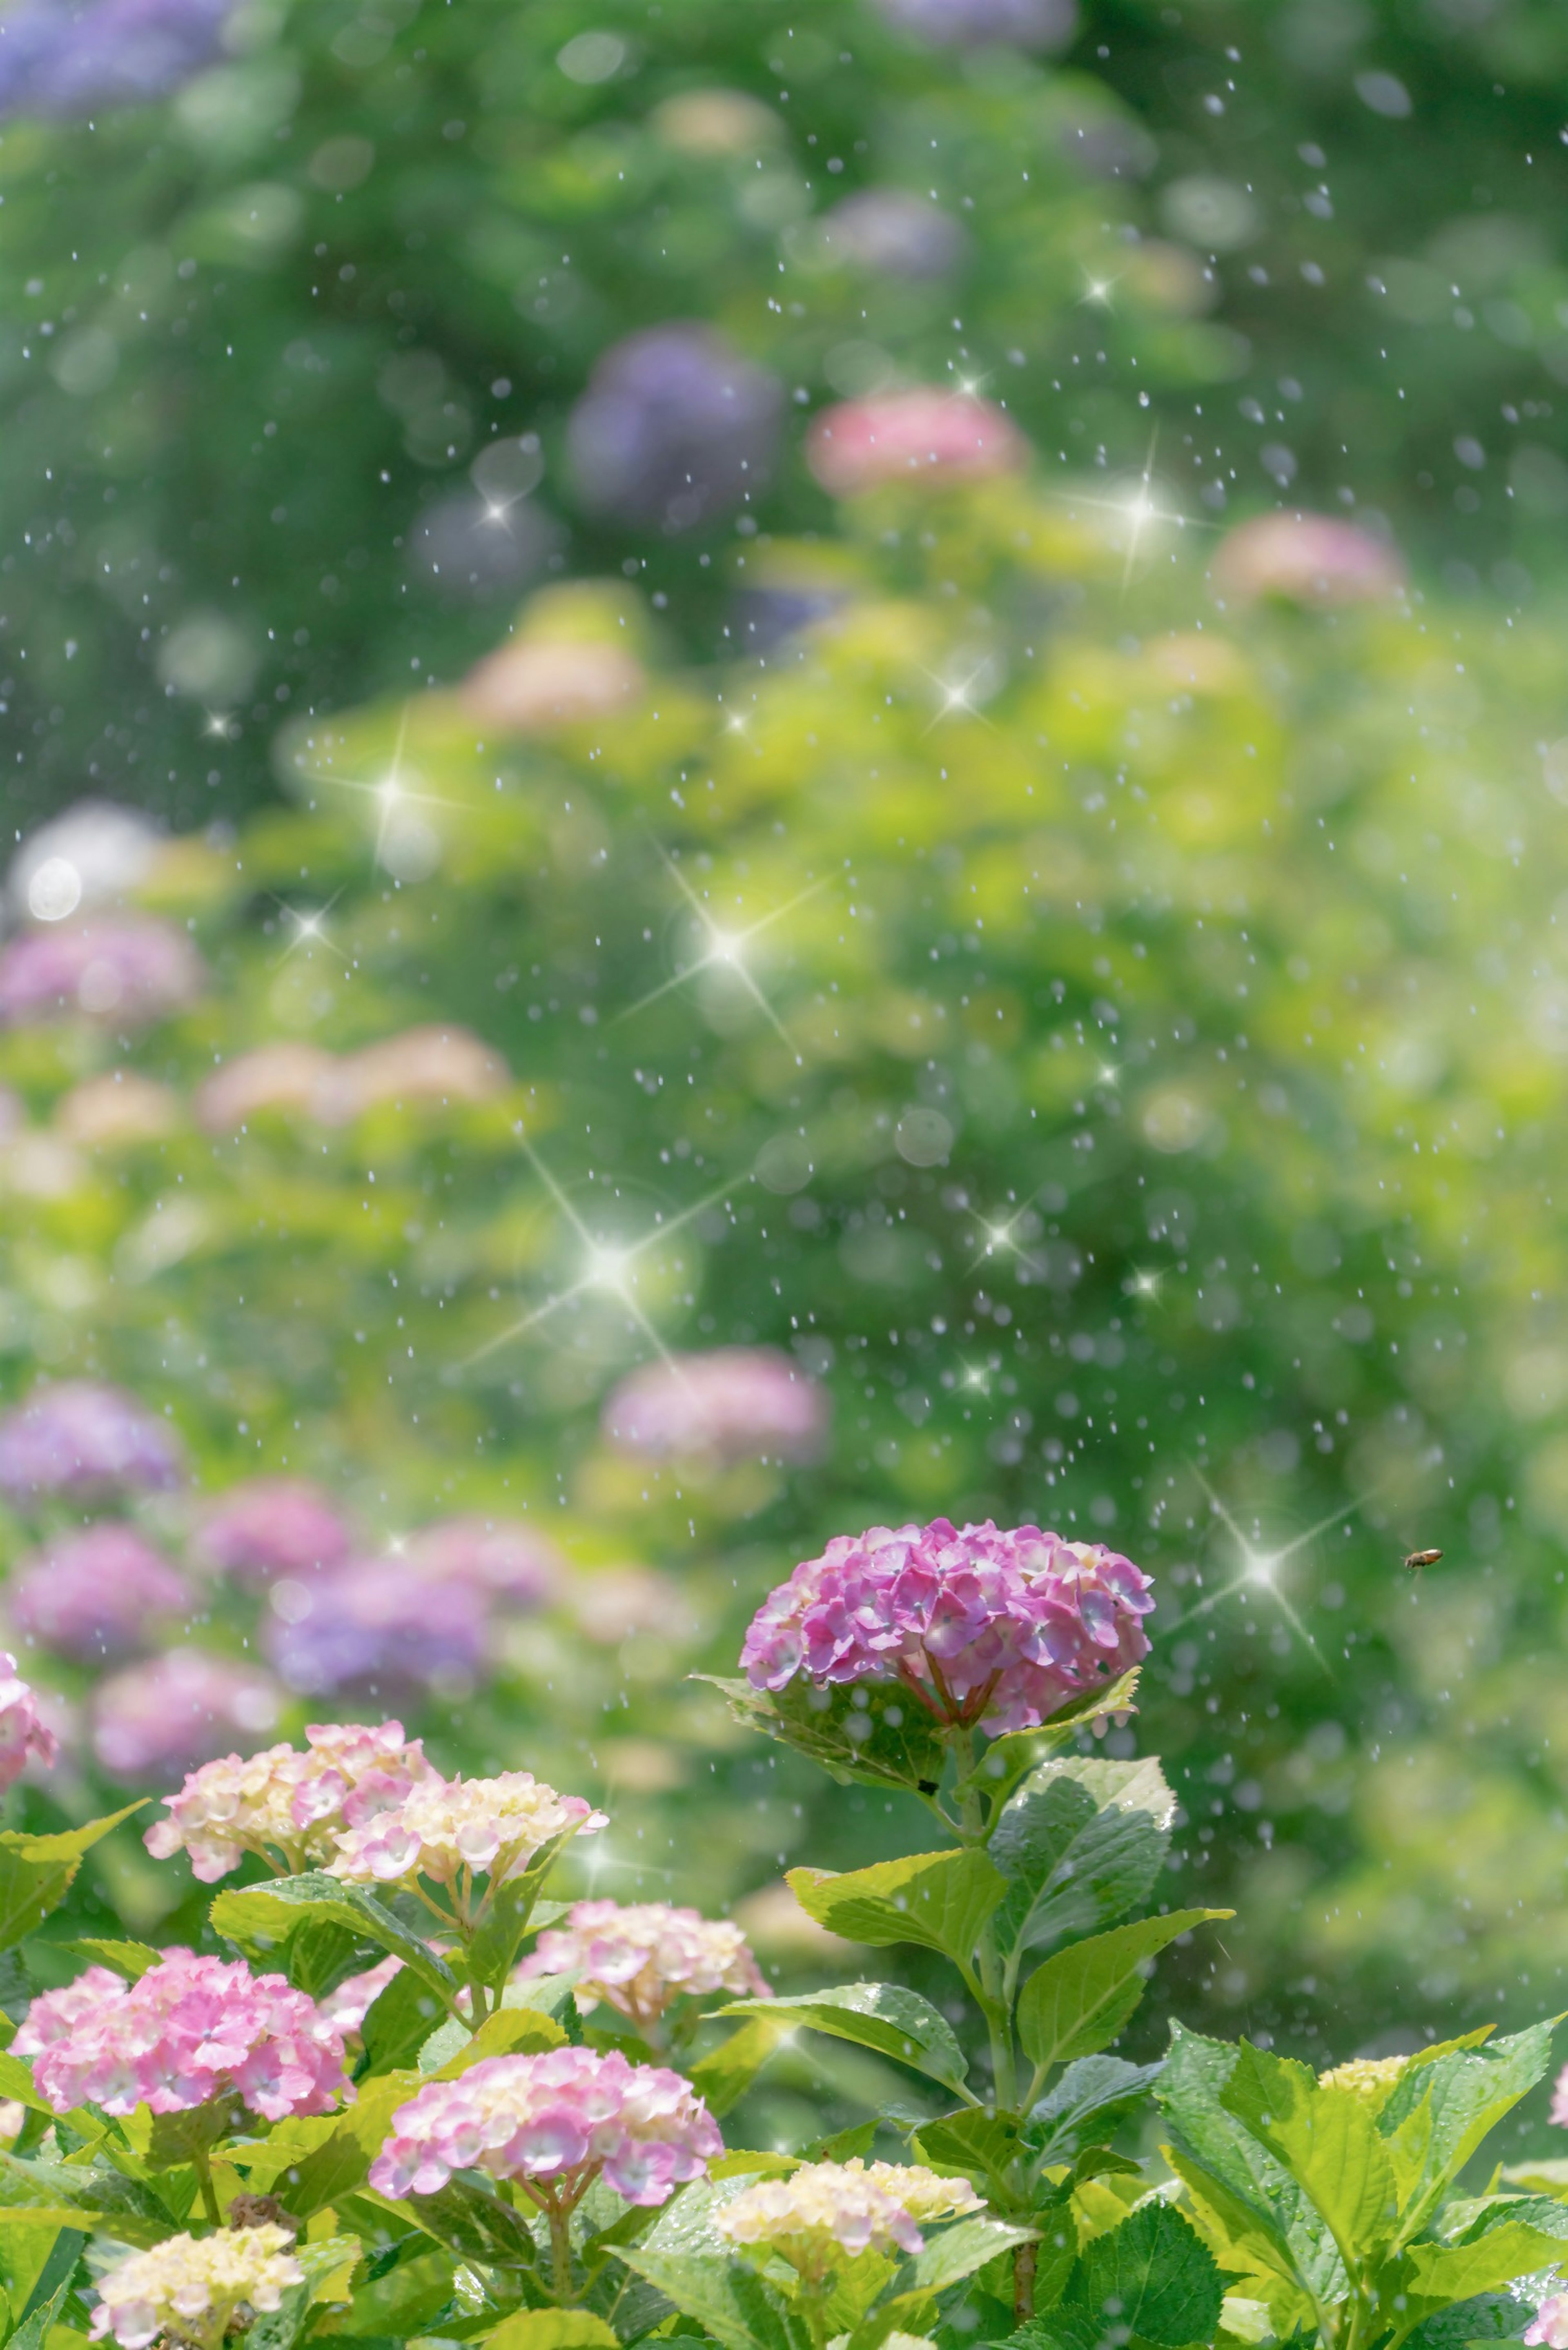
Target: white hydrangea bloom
[[640, 1958], [195, 2287], [825, 2209], [443, 1828]]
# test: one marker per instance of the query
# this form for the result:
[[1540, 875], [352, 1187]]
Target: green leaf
[[1326, 2138], [727, 2298], [1490, 2317], [398, 2021], [1429, 2278], [91, 2196], [849, 1742], [894, 2022], [1081, 1843], [1087, 2105], [1440, 2110], [37, 1872], [1081, 1998], [471, 2223], [979, 2145], [508, 2033], [339, 2165], [509, 1913], [131, 1959], [35, 2327], [552, 2329], [940, 1899], [1014, 1756], [953, 2253], [1153, 2275], [16, 2081], [267, 1920], [180, 2136], [723, 2077]]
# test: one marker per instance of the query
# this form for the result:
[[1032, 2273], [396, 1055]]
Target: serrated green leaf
[[1153, 2275], [398, 2022], [40, 2321], [882, 2016], [938, 1900], [93, 2197], [131, 1959], [1429, 2278], [726, 2297], [1014, 1756], [471, 2223], [979, 2145], [1087, 2105], [1081, 1998], [339, 2164], [1440, 2111], [850, 1743], [37, 1872], [1326, 2138], [509, 2031], [263, 1921], [723, 2077], [551, 2329], [1081, 1843], [953, 2253]]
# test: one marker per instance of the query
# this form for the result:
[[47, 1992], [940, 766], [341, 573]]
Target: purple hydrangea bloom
[[86, 1441], [734, 1403], [898, 235], [92, 1595], [124, 969], [68, 57], [271, 1526], [674, 429], [983, 1625], [159, 1720], [973, 23], [379, 1625]]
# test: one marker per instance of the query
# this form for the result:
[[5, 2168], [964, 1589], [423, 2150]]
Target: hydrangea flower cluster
[[554, 2123], [447, 1829], [191, 2030], [160, 1719], [378, 1625], [86, 1441], [271, 1526], [899, 436], [729, 1405], [982, 1626], [92, 1596], [288, 1807], [25, 1737], [1371, 2077], [192, 2289], [825, 2210], [1549, 2327], [641, 1958], [1307, 558]]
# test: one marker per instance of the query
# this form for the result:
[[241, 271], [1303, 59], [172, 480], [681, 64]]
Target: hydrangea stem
[[204, 2170], [992, 1999]]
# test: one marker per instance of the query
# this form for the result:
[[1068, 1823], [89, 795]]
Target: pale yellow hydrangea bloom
[[193, 2288], [825, 2209], [1367, 2076]]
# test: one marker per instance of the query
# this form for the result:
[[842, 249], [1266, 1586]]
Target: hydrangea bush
[[405, 2091]]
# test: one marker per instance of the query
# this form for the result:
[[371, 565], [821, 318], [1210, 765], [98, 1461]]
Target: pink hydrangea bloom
[[901, 436], [271, 1526], [85, 1441], [381, 1625], [641, 1958], [122, 969], [554, 2123], [1309, 560], [97, 1594], [191, 2029], [982, 1626], [1549, 2327], [730, 1405], [446, 1828], [502, 1558], [159, 1720], [287, 1805], [25, 1737]]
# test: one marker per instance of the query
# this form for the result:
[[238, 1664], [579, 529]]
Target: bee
[[1417, 1559]]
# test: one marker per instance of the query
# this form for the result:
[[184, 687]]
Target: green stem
[[994, 2004], [204, 2170], [561, 2253]]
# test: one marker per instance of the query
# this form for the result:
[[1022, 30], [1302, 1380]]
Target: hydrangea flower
[[271, 1526], [195, 2289], [25, 1736], [445, 1065], [825, 2209], [554, 2123], [191, 2030], [287, 1805], [1308, 559], [159, 1720], [446, 1829], [288, 1075], [110, 53], [125, 970], [894, 436], [975, 24], [381, 1625], [86, 1441], [675, 427], [1549, 2327], [641, 1958], [981, 1626], [896, 233], [730, 1405], [347, 2004], [97, 1594], [1371, 2077], [536, 686], [502, 1558]]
